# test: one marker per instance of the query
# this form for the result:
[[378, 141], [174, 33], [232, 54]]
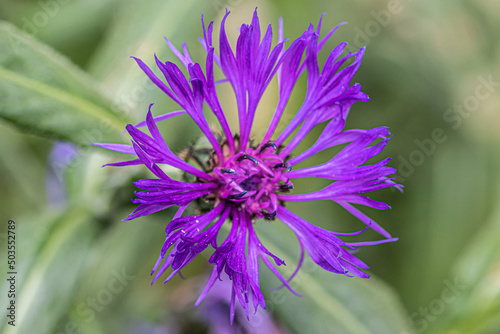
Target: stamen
[[269, 216], [268, 144], [227, 170], [285, 187], [237, 196], [254, 186], [248, 157]]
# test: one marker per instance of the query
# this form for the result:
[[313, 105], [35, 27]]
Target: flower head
[[236, 182]]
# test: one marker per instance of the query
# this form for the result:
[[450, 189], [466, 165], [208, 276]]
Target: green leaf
[[476, 308], [43, 93], [133, 35], [331, 303], [49, 268], [120, 249], [138, 30], [444, 216]]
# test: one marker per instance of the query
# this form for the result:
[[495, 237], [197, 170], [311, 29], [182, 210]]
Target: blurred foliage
[[424, 60]]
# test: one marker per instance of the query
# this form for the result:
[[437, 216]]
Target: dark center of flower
[[252, 178]]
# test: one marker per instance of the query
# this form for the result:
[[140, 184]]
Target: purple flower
[[61, 156], [235, 181]]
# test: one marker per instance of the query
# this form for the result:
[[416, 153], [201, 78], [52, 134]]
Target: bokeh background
[[432, 71]]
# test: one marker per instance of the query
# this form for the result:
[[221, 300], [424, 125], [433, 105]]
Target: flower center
[[252, 178]]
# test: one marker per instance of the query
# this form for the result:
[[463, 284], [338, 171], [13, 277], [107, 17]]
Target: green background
[[425, 61]]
